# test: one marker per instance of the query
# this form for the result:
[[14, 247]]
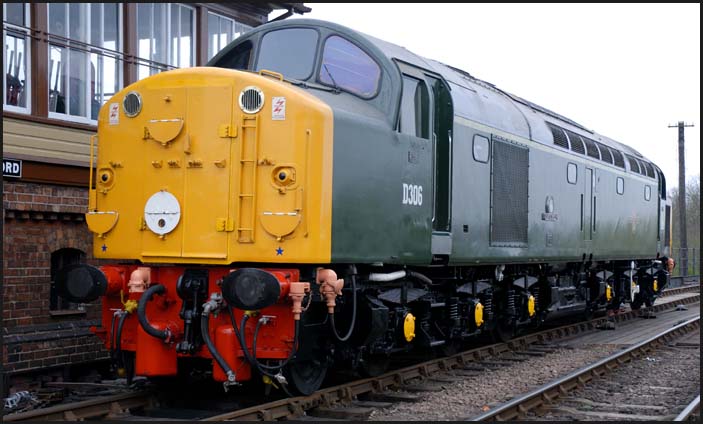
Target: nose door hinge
[[224, 224]]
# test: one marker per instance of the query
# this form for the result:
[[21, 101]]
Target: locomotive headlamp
[[251, 289], [283, 176], [80, 283]]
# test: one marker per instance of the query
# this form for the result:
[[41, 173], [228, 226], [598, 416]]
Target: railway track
[[101, 407], [647, 402], [691, 410], [342, 401]]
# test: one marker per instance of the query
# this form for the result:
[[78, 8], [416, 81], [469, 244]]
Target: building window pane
[[15, 61], [222, 31], [240, 28], [166, 37], [15, 13], [85, 70]]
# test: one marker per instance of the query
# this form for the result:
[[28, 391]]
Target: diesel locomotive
[[316, 197]]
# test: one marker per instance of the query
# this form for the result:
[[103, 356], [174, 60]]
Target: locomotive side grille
[[592, 148], [559, 137], [606, 156], [617, 156], [634, 167], [649, 169], [509, 193], [576, 142]]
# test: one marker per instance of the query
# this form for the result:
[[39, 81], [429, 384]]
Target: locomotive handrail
[[265, 72]]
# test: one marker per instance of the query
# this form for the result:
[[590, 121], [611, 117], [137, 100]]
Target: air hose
[[112, 335], [118, 342], [353, 320], [292, 352], [205, 330], [141, 313], [263, 369]]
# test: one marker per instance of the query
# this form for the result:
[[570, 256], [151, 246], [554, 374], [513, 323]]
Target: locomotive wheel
[[305, 377], [503, 332], [636, 304], [375, 366]]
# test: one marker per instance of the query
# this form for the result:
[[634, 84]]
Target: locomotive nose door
[[208, 171], [187, 173]]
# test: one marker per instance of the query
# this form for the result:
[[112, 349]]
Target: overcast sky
[[626, 71]]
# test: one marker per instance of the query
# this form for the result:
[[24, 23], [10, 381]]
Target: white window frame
[[28, 56], [86, 11], [154, 66], [231, 34]]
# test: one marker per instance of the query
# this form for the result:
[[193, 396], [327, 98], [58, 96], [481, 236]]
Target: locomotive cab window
[[415, 108], [346, 67], [237, 58], [289, 51]]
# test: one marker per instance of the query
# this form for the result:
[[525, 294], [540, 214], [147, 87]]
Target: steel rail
[[346, 392], [519, 406], [92, 408], [292, 407], [690, 410]]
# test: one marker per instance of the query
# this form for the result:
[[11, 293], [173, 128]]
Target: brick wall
[[39, 219]]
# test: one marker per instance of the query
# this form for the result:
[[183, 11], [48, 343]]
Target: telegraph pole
[[682, 198]]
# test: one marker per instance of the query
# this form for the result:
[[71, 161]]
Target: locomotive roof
[[474, 98], [466, 81]]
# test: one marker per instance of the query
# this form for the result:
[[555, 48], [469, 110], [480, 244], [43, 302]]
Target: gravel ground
[[474, 395], [659, 384]]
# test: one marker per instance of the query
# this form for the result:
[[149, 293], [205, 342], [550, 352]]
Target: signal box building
[[62, 62]]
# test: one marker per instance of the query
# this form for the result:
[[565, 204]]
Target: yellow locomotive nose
[[213, 166]]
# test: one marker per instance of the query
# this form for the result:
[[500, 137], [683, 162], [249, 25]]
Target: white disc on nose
[[162, 212]]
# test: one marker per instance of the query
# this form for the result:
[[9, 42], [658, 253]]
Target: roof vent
[[251, 100]]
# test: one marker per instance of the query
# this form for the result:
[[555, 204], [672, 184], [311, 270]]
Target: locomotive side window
[[289, 51], [237, 58], [347, 67], [415, 108], [647, 192], [571, 173], [620, 185], [481, 148]]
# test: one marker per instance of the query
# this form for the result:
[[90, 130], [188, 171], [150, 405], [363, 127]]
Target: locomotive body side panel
[[382, 198]]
